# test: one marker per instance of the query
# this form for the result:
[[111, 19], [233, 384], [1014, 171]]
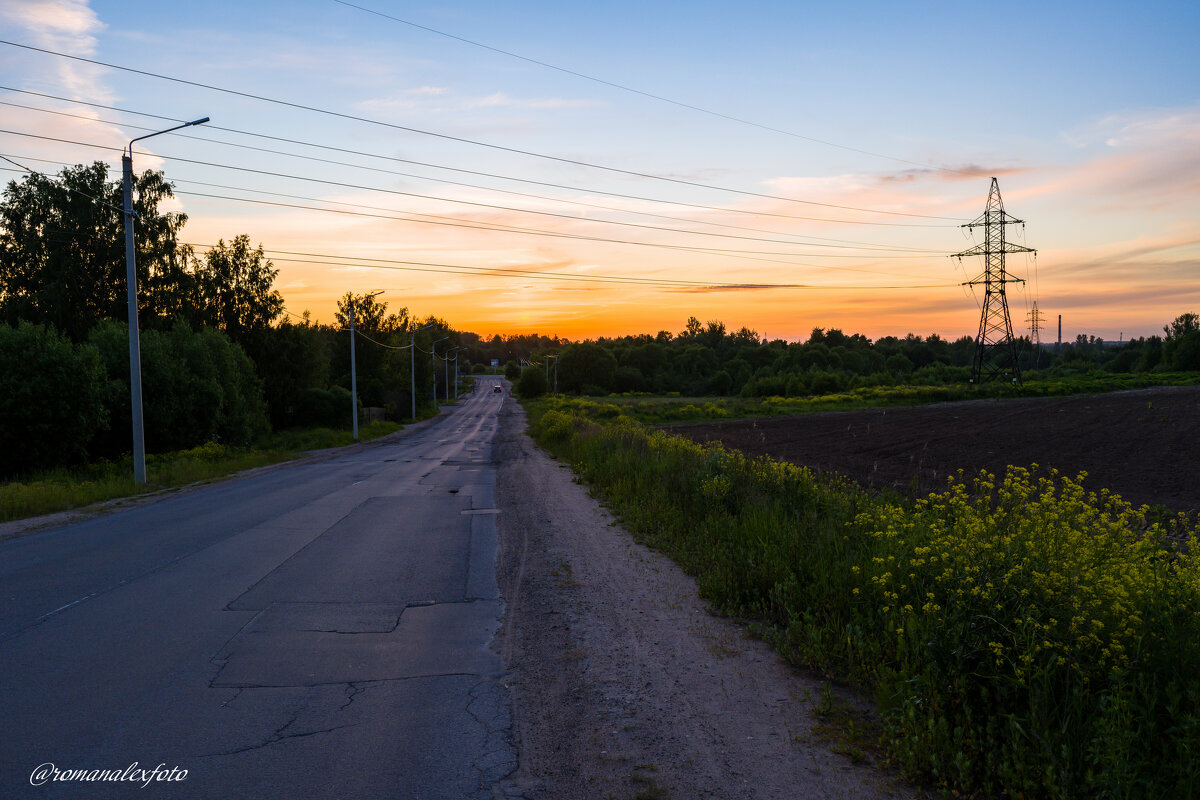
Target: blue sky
[[1088, 114]]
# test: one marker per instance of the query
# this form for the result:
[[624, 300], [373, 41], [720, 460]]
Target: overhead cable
[[650, 95], [460, 139]]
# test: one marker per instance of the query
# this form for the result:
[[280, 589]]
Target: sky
[[775, 165]]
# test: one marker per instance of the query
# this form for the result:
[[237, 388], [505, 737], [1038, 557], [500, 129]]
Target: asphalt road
[[316, 631]]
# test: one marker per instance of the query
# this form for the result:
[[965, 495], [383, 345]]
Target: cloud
[[502, 100], [735, 287], [442, 100], [962, 172], [1142, 161], [64, 25]]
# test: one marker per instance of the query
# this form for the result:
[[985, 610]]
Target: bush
[[197, 386], [512, 371], [323, 408], [51, 399], [532, 382]]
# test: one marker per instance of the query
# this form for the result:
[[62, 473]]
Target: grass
[[1021, 636], [62, 489], [660, 409]]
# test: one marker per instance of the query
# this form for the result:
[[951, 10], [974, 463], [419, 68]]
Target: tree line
[[706, 359], [222, 359]]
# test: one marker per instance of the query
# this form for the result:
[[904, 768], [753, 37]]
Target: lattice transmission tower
[[995, 348], [1035, 318]]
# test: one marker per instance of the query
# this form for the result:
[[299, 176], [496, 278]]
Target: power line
[[299, 257], [303, 143], [652, 96], [743, 255], [492, 206], [374, 169], [95, 200], [411, 266], [459, 139], [458, 222]]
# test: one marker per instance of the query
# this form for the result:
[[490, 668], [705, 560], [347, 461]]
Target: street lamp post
[[412, 363], [456, 351], [456, 373], [353, 375], [135, 345]]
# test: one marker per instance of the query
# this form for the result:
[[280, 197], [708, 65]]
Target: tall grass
[[65, 488], [1022, 637]]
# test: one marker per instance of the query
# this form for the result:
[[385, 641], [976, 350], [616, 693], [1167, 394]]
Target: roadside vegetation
[[63, 488], [1022, 636]]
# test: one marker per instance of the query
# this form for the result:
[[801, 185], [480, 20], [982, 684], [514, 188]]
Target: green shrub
[[532, 382], [197, 386], [51, 399], [323, 408]]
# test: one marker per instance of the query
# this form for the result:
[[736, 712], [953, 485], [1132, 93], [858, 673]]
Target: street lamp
[[135, 345], [353, 376], [412, 363], [456, 352], [433, 361]]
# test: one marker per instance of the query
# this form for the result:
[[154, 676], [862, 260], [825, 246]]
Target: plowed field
[[1142, 444]]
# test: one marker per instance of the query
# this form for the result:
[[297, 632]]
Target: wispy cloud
[[736, 287], [963, 172], [66, 25], [503, 100], [444, 100]]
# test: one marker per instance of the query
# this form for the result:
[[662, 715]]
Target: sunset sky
[[812, 162]]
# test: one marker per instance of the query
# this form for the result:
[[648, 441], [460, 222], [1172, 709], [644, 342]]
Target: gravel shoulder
[[624, 684]]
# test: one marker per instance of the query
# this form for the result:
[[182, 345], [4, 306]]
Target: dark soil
[[1142, 444]]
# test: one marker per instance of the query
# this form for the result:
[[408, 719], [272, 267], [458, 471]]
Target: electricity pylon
[[995, 349], [1035, 318]]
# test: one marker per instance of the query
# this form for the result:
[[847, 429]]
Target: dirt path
[[1140, 444], [624, 685]]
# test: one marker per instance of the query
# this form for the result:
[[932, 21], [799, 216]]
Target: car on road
[[497, 388]]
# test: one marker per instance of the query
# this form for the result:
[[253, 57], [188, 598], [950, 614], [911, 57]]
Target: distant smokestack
[[1058, 346]]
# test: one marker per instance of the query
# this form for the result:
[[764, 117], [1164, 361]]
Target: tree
[[1181, 348], [62, 251], [532, 382], [236, 288], [51, 399], [198, 386], [586, 365]]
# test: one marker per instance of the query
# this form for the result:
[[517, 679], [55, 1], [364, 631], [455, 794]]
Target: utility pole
[[555, 357], [353, 376], [412, 365], [457, 350], [994, 346], [433, 365]]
